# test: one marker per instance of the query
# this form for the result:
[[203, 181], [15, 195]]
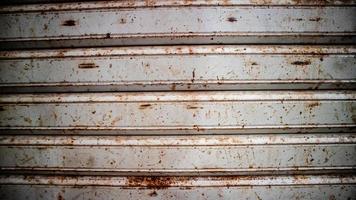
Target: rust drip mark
[[193, 107], [307, 62], [193, 75], [315, 19], [153, 193], [144, 106], [87, 66], [231, 19], [69, 23]]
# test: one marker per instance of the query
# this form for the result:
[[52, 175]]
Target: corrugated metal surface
[[232, 112], [227, 67], [176, 22]]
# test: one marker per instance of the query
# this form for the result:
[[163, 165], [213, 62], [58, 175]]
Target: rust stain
[[193, 75], [153, 193], [307, 62], [122, 21], [315, 19], [150, 2], [155, 181], [69, 23], [60, 197], [314, 104], [193, 107], [144, 106], [87, 66], [231, 19], [173, 87]]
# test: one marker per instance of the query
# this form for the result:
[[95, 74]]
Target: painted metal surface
[[260, 187], [228, 67], [100, 24], [180, 155], [179, 112], [238, 99]]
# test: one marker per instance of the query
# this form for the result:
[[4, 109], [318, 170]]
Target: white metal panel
[[227, 67], [204, 23]]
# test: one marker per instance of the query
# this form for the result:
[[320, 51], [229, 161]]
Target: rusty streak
[[143, 106], [307, 62], [69, 23], [231, 19], [87, 65]]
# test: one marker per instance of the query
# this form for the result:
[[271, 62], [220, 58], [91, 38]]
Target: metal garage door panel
[[184, 24], [158, 3], [179, 111], [178, 68], [266, 187], [179, 155]]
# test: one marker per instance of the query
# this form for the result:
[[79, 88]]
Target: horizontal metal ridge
[[157, 3], [178, 181], [203, 140], [196, 96], [181, 50], [178, 172]]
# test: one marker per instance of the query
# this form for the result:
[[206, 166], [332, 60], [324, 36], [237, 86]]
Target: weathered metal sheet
[[71, 4], [96, 24], [181, 112], [179, 155], [259, 187], [179, 68]]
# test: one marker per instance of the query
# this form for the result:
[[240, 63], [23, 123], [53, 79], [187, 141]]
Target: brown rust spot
[[254, 63], [153, 193], [306, 62], [122, 21], [231, 19], [87, 65], [316, 19], [144, 106], [69, 23], [314, 104], [193, 107], [153, 181], [60, 197]]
